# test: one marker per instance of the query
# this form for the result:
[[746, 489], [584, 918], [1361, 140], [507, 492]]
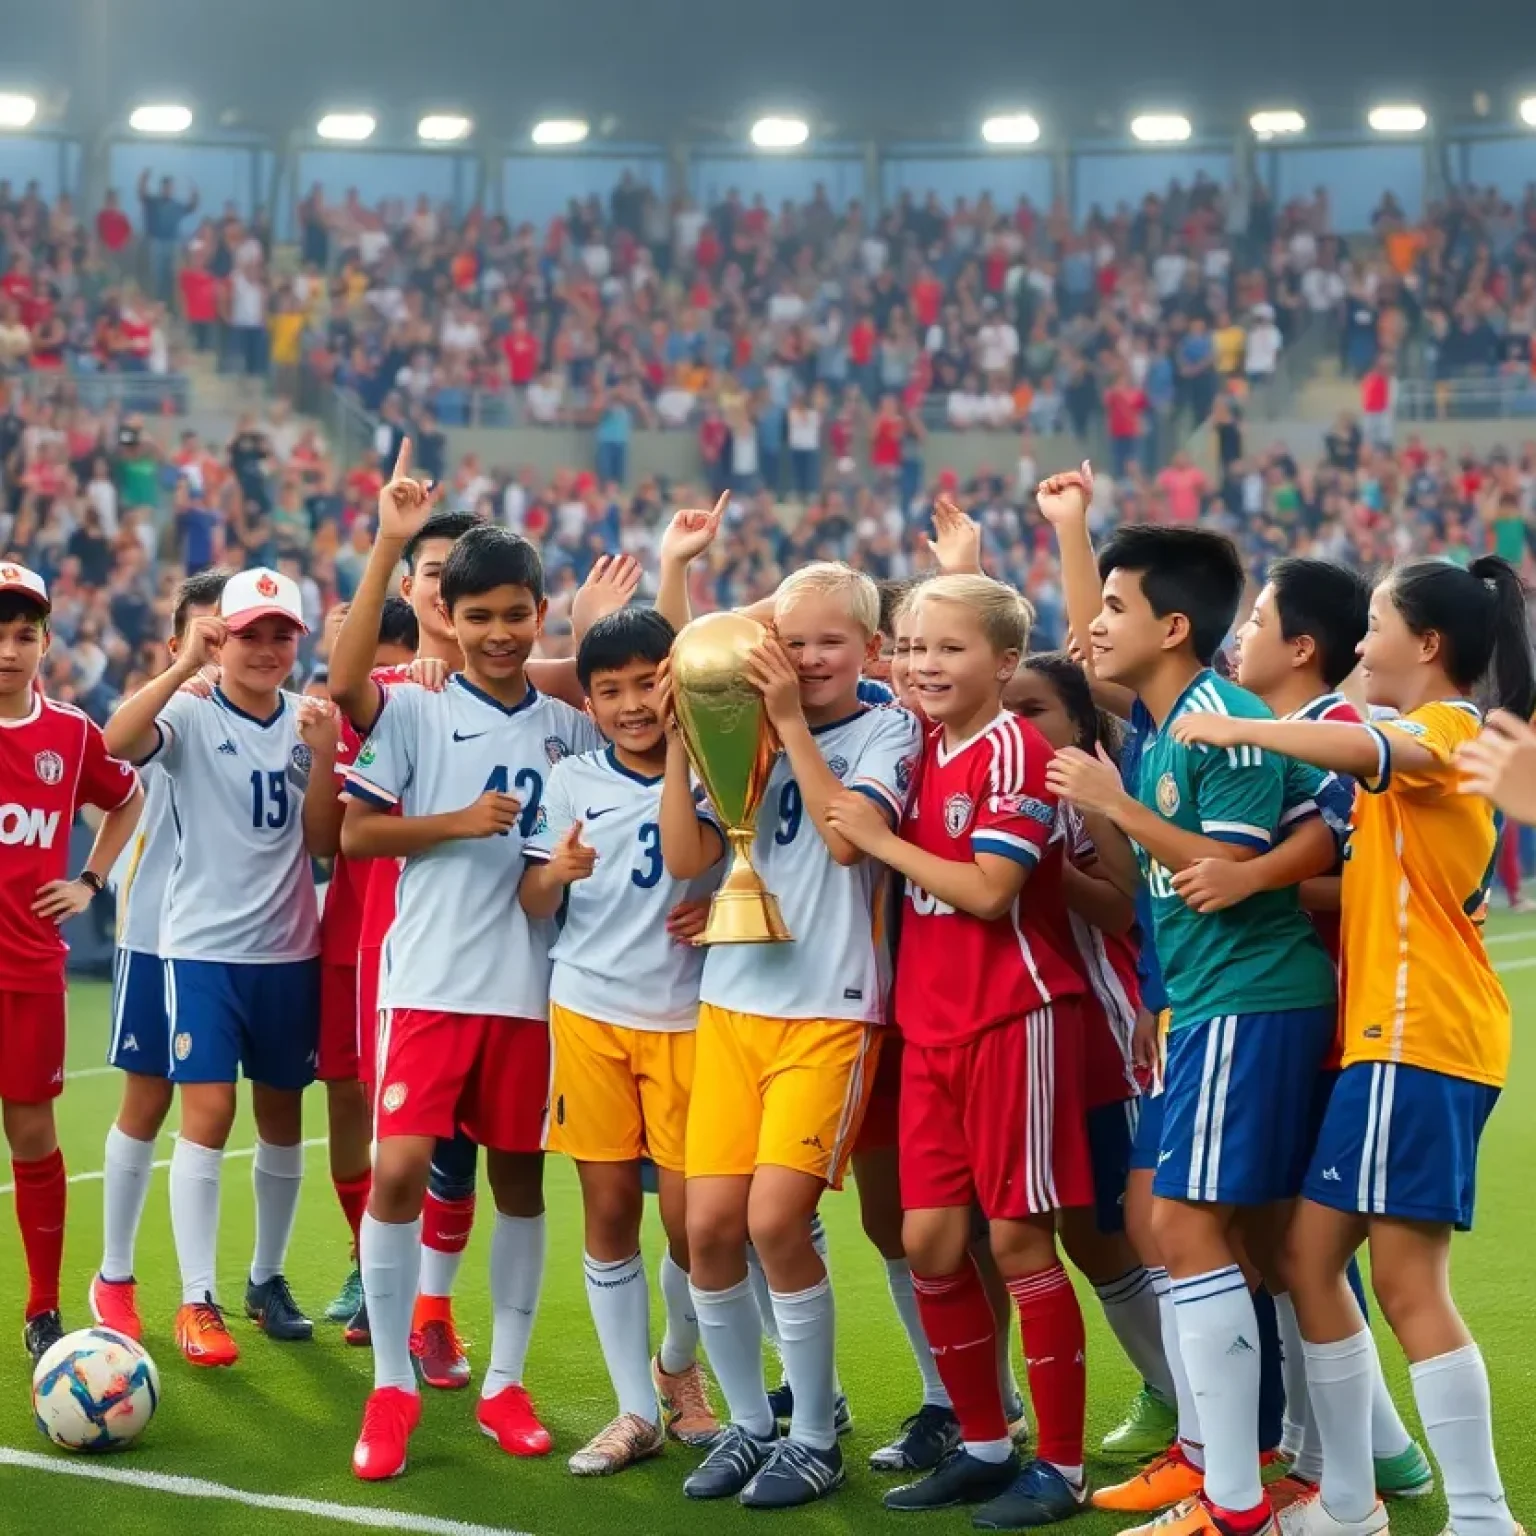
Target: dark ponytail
[[1511, 682], [1094, 727]]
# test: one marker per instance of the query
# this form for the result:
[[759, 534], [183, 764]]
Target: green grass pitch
[[282, 1422]]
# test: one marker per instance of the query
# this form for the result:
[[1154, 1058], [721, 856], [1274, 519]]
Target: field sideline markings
[[198, 1488], [96, 1175]]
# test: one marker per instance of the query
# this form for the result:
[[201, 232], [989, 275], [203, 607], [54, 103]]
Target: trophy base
[[744, 917]]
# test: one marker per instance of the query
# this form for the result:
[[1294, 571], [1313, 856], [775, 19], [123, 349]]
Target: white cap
[[258, 593], [17, 578]]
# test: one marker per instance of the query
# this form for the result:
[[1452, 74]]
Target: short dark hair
[[200, 591], [487, 557], [397, 624], [631, 634], [1329, 603], [1183, 570], [21, 605], [892, 595], [441, 525]]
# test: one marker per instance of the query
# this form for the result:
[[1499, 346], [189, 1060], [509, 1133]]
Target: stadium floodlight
[[443, 128], [554, 131], [1013, 128], [349, 127], [1269, 125], [780, 132], [164, 118], [16, 111], [1403, 117], [1528, 111], [1160, 128]]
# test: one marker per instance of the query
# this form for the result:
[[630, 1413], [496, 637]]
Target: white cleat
[[1309, 1516]]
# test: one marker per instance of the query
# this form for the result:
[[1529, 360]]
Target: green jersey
[[1261, 956]]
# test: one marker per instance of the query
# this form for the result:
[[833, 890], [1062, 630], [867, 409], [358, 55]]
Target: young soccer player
[[788, 1034], [141, 1043], [1427, 1035], [53, 760], [991, 1092], [240, 932], [624, 1001]]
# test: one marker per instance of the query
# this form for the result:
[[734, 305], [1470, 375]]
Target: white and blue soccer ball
[[95, 1390]]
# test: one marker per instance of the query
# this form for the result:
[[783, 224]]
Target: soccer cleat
[[41, 1334], [925, 1440], [344, 1308], [1195, 1517], [508, 1419], [959, 1479], [795, 1474], [1147, 1430], [1285, 1491], [357, 1332], [202, 1335], [781, 1400], [390, 1416], [734, 1460], [1309, 1516], [620, 1444], [685, 1411], [1039, 1495], [1405, 1476], [115, 1305], [1018, 1419], [272, 1308], [1168, 1480], [436, 1347]]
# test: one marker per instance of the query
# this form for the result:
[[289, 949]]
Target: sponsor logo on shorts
[[394, 1097], [957, 814], [560, 1110], [130, 1042], [182, 1046], [812, 1141], [1240, 1346], [1168, 795], [50, 767], [1331, 1176]]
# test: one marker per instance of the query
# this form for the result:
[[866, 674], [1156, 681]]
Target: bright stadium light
[[1528, 111], [16, 111], [1013, 128], [780, 132], [165, 118], [1399, 118], [349, 127], [443, 128], [1160, 128], [554, 131], [1269, 125]]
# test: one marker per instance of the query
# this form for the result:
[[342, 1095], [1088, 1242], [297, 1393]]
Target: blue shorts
[[1401, 1141], [1111, 1135], [1238, 1094], [262, 1021], [141, 1037], [1149, 1132]]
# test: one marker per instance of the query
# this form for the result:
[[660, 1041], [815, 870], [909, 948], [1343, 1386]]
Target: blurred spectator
[[163, 216]]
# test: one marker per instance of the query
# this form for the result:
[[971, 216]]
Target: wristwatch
[[91, 881]]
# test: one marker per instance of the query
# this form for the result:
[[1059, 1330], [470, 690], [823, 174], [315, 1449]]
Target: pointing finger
[[720, 506], [403, 460]]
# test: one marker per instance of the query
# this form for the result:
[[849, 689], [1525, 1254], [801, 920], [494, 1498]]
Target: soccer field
[[267, 1444]]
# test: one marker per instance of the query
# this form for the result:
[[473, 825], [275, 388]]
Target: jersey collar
[[949, 754], [32, 714], [612, 759], [832, 725], [1199, 680], [223, 701], [1314, 709], [482, 697]]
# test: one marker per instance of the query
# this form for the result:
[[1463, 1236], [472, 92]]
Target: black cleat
[[1040, 1495], [959, 1479], [357, 1330], [272, 1308], [925, 1440], [42, 1333], [781, 1403], [795, 1474], [734, 1460]]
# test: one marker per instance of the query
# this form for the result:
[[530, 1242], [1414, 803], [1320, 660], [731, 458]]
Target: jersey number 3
[[269, 799]]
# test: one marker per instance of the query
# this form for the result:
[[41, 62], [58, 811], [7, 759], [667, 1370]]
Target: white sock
[[517, 1277], [1190, 1442], [126, 1169], [898, 1275], [277, 1176], [439, 1270], [819, 1243], [1293, 1370], [680, 1342], [760, 1295], [807, 1337], [1219, 1339], [732, 1330], [1339, 1390], [195, 1216], [621, 1312], [994, 1451], [1389, 1435], [389, 1255], [1455, 1405], [1134, 1316]]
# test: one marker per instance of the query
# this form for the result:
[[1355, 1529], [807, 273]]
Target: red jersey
[[51, 763], [958, 975], [199, 295], [377, 879], [341, 919], [522, 352]]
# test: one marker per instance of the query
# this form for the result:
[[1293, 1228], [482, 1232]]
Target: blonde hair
[[831, 578], [1006, 617]]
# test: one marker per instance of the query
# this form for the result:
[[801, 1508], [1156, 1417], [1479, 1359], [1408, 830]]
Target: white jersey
[[240, 889], [839, 965], [614, 960], [146, 868], [461, 942]]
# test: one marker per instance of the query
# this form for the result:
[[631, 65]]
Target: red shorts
[[337, 1059], [881, 1128], [998, 1120], [31, 1046], [368, 962], [440, 1073]]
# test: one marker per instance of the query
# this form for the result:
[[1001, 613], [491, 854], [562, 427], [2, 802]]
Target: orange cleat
[[685, 1409], [1168, 1479], [202, 1335], [115, 1305], [436, 1347], [509, 1420], [1195, 1517], [390, 1416]]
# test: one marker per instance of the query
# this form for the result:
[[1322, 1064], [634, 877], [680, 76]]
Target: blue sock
[[454, 1161], [1271, 1373], [1357, 1285]]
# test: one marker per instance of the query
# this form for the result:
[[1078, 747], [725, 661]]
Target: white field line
[[197, 1488], [1519, 936], [96, 1175]]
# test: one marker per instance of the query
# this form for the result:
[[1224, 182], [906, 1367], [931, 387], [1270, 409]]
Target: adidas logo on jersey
[[28, 828], [228, 748]]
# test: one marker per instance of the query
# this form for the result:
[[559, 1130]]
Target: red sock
[[353, 1195], [42, 1193], [1051, 1323], [957, 1318], [446, 1224]]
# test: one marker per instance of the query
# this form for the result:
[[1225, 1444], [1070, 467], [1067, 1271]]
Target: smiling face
[[829, 649], [955, 671], [420, 589], [622, 704], [1265, 658], [1129, 639], [23, 644], [496, 631], [901, 661], [1391, 654], [261, 657]]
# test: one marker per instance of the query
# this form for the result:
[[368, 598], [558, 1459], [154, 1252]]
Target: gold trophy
[[731, 746]]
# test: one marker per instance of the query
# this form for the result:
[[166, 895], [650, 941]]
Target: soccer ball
[[95, 1390]]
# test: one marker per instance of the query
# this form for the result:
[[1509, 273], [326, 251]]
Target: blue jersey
[[1154, 996]]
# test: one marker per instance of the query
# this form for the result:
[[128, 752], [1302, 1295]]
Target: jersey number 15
[[269, 799]]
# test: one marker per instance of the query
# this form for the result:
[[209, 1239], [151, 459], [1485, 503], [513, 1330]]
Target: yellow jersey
[[1417, 983]]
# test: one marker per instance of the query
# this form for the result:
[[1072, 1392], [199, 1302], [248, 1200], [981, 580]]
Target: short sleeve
[[175, 726], [1016, 815], [1239, 795], [873, 692], [105, 781], [554, 818], [385, 764], [349, 746], [887, 764], [1303, 784], [1440, 729]]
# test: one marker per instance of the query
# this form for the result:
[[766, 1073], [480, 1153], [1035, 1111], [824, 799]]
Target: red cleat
[[390, 1416], [115, 1305], [509, 1420], [203, 1336], [436, 1347]]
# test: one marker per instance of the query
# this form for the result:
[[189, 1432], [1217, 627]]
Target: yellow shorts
[[790, 1092], [615, 1093]]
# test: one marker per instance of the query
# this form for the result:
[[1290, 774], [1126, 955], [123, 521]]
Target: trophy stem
[[744, 910]]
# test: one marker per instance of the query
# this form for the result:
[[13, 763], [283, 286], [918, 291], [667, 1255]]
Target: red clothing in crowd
[[199, 295]]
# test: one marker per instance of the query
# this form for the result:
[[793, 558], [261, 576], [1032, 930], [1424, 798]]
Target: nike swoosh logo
[[593, 815], [473, 736]]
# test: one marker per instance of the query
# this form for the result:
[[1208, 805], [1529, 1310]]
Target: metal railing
[[151, 394], [1492, 397]]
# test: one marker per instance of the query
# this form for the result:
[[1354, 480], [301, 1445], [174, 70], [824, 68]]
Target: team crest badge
[[302, 758], [838, 765], [555, 748], [9, 573], [957, 814], [182, 1046], [541, 821], [1168, 795], [50, 767], [265, 586], [368, 755], [394, 1097], [904, 774]]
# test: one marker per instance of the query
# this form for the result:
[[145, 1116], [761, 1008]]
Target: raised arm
[[689, 534], [132, 733], [319, 729]]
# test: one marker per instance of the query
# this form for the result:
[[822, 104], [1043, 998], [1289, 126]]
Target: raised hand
[[609, 586], [773, 674], [405, 504], [205, 639], [692, 530], [429, 672], [319, 726], [1065, 497], [956, 541], [1501, 764]]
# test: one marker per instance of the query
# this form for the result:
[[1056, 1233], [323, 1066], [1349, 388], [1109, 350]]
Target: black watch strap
[[89, 878]]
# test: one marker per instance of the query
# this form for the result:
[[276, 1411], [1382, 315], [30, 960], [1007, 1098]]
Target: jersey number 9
[[791, 814]]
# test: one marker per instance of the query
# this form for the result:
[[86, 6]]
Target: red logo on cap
[[265, 586], [9, 573]]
